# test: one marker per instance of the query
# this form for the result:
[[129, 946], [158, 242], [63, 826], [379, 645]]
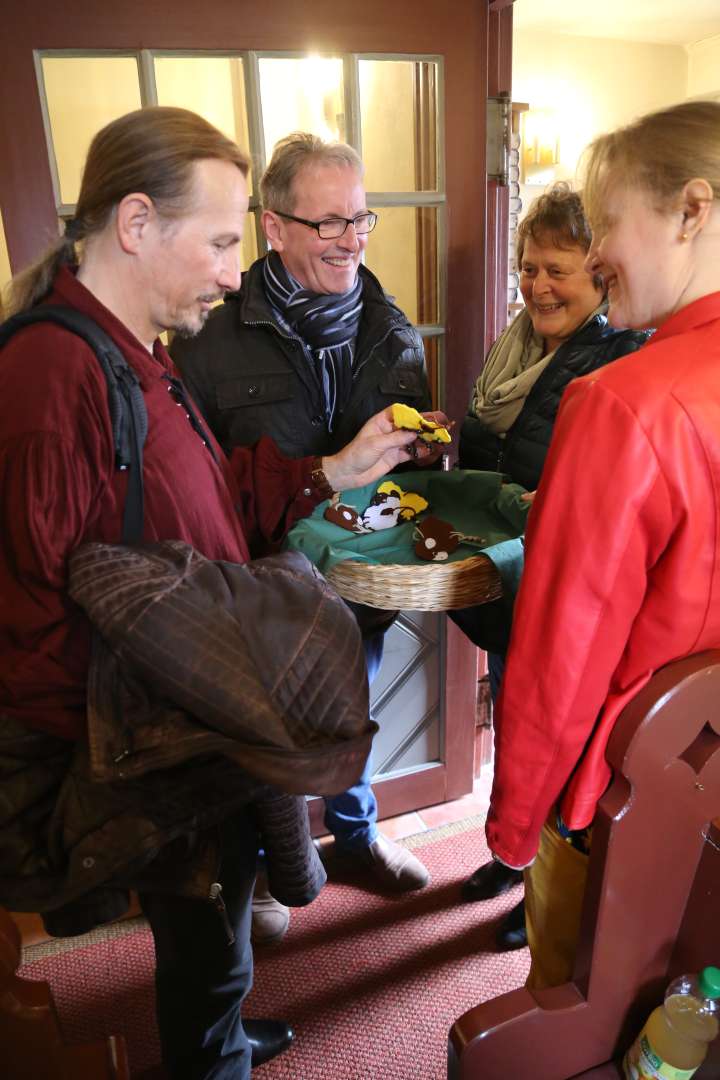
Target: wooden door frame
[[474, 39]]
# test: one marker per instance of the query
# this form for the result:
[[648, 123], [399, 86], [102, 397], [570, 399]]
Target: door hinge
[[498, 134]]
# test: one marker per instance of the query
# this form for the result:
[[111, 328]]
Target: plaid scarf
[[328, 325]]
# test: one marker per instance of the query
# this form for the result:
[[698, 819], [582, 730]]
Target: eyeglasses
[[333, 228]]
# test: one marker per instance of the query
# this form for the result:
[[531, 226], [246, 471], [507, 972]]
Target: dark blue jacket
[[521, 454]]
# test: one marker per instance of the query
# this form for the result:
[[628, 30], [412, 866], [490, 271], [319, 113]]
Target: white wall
[[593, 85], [704, 68]]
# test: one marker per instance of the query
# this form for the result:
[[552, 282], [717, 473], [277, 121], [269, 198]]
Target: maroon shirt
[[59, 487]]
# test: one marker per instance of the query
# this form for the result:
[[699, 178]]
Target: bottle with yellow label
[[674, 1042]]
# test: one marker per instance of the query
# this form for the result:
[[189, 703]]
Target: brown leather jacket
[[213, 686]]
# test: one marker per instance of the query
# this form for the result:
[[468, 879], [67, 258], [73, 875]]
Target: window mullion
[[351, 91], [440, 129], [63, 210], [406, 198], [146, 71], [442, 241], [256, 134], [255, 114]]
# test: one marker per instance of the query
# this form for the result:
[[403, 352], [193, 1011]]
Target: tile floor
[[445, 814]]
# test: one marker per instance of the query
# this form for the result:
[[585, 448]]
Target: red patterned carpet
[[370, 983]]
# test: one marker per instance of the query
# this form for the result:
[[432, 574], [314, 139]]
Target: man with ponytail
[[153, 244]]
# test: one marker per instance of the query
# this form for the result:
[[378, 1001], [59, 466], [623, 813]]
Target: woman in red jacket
[[622, 566]]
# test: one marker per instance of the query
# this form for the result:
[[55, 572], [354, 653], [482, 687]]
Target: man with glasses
[[308, 350]]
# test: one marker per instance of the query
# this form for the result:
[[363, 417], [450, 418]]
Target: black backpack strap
[[178, 391], [128, 415]]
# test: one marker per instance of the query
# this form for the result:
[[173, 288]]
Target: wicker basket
[[430, 587]]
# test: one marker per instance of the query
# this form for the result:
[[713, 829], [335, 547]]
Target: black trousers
[[200, 978]]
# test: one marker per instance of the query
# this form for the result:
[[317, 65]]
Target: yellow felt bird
[[411, 504], [409, 419]]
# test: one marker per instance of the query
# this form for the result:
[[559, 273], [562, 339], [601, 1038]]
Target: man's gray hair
[[292, 154]]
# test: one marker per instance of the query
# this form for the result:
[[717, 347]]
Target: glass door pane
[[402, 253], [213, 86], [398, 119], [302, 94], [84, 93]]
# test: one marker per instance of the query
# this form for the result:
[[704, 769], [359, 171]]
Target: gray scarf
[[326, 322], [514, 364]]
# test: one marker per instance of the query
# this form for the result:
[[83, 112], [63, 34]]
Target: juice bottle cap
[[709, 982]]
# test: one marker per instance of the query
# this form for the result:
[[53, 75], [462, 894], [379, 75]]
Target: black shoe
[[267, 1039], [491, 879], [512, 933]]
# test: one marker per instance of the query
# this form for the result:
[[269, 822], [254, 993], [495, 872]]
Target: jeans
[[352, 816], [496, 667], [200, 978]]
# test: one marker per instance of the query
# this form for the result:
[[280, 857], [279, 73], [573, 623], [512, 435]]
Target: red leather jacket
[[622, 571]]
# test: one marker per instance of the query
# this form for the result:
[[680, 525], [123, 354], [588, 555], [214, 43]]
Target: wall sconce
[[540, 147]]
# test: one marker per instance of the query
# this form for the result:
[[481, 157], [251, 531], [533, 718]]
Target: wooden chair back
[[32, 1046], [652, 903]]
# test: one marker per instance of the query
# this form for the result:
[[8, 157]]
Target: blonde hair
[[290, 155], [151, 151], [659, 153]]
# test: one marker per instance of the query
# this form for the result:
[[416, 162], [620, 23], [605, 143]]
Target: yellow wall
[[592, 85], [704, 68]]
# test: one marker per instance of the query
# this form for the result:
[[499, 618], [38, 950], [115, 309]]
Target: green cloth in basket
[[475, 503]]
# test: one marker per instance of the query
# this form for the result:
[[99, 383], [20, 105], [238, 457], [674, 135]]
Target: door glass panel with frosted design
[[303, 94], [398, 118], [83, 94], [402, 253], [405, 699]]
